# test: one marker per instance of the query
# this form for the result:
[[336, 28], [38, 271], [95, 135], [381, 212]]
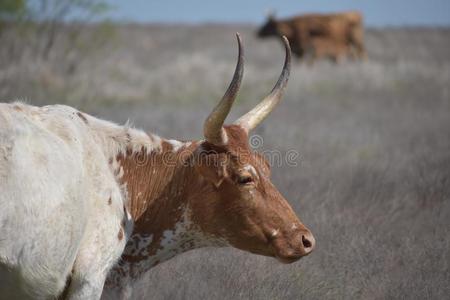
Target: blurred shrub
[[31, 28], [11, 9]]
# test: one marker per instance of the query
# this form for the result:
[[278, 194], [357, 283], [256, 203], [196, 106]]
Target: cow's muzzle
[[288, 250]]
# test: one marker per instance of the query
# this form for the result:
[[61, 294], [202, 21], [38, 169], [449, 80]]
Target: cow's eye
[[245, 179]]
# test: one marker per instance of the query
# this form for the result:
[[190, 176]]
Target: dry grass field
[[373, 176]]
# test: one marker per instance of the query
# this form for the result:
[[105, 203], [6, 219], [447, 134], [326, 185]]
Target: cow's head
[[238, 201], [270, 28]]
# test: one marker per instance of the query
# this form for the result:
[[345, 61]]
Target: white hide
[[183, 237], [61, 207], [56, 218]]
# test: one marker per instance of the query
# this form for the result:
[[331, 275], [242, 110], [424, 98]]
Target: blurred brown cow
[[321, 35]]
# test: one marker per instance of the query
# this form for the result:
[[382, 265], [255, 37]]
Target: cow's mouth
[[287, 256]]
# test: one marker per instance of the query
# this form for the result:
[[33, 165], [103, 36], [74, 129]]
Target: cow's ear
[[213, 167]]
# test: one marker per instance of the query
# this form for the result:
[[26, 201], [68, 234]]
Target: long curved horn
[[212, 127], [254, 117]]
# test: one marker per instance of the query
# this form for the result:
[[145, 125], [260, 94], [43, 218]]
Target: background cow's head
[[270, 28], [274, 28], [242, 205]]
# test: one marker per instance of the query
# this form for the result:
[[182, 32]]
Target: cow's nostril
[[306, 242]]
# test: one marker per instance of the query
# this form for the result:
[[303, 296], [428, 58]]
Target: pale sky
[[376, 12]]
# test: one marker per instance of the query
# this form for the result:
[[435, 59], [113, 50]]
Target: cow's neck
[[158, 186]]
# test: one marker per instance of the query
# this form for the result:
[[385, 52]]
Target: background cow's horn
[[252, 119], [212, 128], [270, 13]]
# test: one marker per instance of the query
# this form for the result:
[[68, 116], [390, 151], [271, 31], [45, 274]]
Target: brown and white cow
[[78, 193], [320, 35]]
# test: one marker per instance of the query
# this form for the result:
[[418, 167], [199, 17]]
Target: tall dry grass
[[373, 181]]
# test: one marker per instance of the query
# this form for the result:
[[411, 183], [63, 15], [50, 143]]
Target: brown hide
[[226, 190], [321, 35]]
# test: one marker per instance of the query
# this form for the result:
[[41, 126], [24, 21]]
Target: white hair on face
[[249, 168], [275, 232]]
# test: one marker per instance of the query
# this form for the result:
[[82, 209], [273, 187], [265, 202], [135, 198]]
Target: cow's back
[[353, 17], [42, 215]]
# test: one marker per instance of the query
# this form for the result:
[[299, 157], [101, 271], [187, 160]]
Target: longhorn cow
[[88, 206]]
